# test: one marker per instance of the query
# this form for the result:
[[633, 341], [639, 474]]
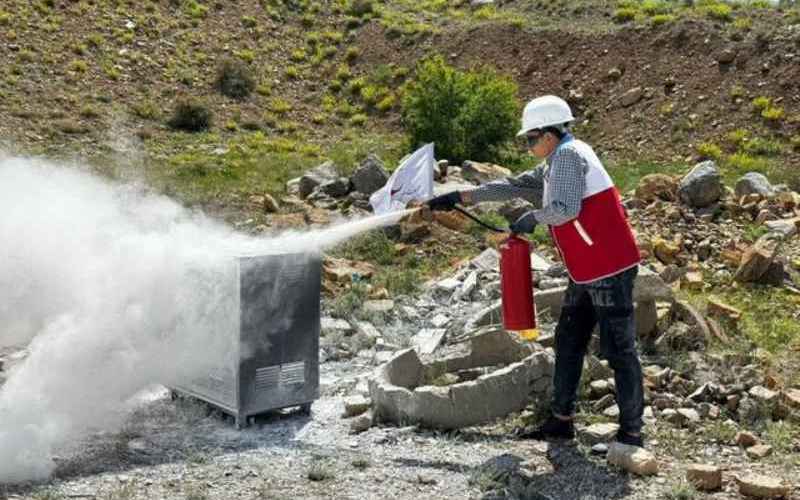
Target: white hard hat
[[545, 111]]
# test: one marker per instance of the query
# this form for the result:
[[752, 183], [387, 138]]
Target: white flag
[[413, 180]]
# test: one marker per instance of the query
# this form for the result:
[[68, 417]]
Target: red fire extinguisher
[[516, 283]]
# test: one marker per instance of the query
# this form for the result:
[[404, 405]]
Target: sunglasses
[[532, 139]]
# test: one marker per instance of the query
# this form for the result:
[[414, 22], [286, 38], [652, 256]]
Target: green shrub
[[709, 150], [249, 22], [388, 102], [343, 73], [737, 137], [719, 11], [762, 147], [761, 103], [78, 66], [298, 55], [190, 115], [351, 54], [5, 18], [358, 120], [355, 85], [624, 15], [146, 109], [246, 55], [772, 113], [360, 8], [743, 23], [795, 142], [279, 106], [655, 7], [743, 162], [467, 114], [662, 19], [235, 79], [292, 72]]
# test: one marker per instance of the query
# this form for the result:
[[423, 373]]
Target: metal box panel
[[272, 359]]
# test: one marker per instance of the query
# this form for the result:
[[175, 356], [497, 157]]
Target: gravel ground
[[178, 450]]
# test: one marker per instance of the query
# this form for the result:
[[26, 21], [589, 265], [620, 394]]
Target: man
[[588, 224]]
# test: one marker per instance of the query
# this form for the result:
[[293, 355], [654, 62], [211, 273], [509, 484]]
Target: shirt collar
[[567, 138]]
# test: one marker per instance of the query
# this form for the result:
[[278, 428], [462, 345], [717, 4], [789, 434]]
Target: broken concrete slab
[[492, 395], [428, 339], [356, 405]]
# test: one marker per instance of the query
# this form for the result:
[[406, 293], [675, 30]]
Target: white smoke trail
[[98, 278]]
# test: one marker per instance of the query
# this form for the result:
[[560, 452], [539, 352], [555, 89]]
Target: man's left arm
[[567, 183]]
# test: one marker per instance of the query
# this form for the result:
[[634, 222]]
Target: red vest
[[599, 242]]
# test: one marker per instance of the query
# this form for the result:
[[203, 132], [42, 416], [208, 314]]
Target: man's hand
[[445, 202], [525, 224]]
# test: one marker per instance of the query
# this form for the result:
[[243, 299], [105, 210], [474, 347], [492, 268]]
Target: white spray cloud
[[99, 279]]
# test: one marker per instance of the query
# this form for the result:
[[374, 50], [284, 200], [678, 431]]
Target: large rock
[[336, 188], [753, 183], [483, 173], [654, 187], [704, 477], [702, 186], [631, 97], [316, 177], [755, 485], [632, 458], [370, 176]]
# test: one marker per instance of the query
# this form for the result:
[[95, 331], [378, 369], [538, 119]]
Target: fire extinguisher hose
[[484, 224]]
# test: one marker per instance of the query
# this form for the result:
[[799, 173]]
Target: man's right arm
[[528, 186]]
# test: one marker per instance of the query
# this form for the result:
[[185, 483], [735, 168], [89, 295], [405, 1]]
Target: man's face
[[540, 144]]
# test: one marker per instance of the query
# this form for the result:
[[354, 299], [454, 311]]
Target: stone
[[444, 289], [672, 416], [483, 173], [632, 458], [336, 188], [631, 97], [785, 227], [693, 281], [370, 176], [756, 260], [270, 205], [440, 320], [704, 477], [762, 394], [753, 183], [334, 325], [428, 339], [600, 449], [368, 330], [759, 451], [316, 177], [378, 306], [360, 424], [690, 415], [356, 405], [665, 251], [746, 439], [603, 403], [726, 55], [654, 187], [611, 411], [488, 260], [790, 397], [468, 286], [702, 186], [598, 433], [759, 486], [344, 270], [599, 388], [720, 309], [404, 369]]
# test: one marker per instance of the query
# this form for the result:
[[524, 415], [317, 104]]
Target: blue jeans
[[608, 302]]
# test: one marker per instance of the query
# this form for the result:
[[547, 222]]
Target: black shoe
[[552, 428], [629, 439]]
